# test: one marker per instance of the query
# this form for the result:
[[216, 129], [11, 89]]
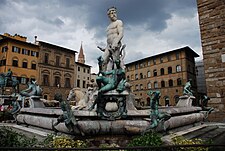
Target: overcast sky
[[150, 26]]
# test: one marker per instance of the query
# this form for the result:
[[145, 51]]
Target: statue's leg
[[95, 102], [105, 57], [99, 82], [154, 122], [107, 88]]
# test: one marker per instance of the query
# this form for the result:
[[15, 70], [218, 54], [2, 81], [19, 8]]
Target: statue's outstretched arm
[[101, 48]]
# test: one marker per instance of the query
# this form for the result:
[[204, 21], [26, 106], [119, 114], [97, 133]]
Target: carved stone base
[[118, 110], [33, 102], [185, 101]]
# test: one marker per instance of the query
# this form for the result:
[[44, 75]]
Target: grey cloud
[[53, 21], [71, 15], [134, 56], [150, 13], [153, 14]]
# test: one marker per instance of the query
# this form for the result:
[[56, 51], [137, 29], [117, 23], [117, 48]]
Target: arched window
[[24, 63], [128, 78], [141, 76], [149, 85], [136, 76], [155, 73], [137, 87], [46, 80], [141, 86], [162, 84], [45, 96], [170, 70], [155, 84], [148, 74], [179, 82], [3, 61], [178, 68], [15, 62], [57, 81], [33, 65], [132, 77], [67, 83], [162, 71], [167, 101], [170, 83]]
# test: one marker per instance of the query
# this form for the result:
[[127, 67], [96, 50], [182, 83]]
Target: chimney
[[35, 40]]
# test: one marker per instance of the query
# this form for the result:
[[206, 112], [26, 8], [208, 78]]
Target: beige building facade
[[20, 56], [56, 72], [167, 72], [83, 76]]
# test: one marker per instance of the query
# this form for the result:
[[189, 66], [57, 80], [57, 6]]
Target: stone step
[[206, 131], [29, 132], [200, 132], [212, 135]]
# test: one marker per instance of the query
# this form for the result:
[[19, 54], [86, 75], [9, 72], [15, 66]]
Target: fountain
[[112, 112], [115, 113]]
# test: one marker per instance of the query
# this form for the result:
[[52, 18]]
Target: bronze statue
[[32, 90], [155, 116], [15, 108], [111, 74], [67, 115], [105, 83], [8, 76], [205, 107], [187, 88], [6, 80]]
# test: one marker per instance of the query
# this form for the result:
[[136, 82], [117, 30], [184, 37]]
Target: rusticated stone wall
[[212, 27]]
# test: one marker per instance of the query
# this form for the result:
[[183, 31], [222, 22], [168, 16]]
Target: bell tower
[[81, 57]]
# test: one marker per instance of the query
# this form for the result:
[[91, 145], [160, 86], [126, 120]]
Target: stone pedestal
[[185, 101], [33, 102], [112, 105]]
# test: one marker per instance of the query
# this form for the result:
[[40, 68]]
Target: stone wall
[[212, 27]]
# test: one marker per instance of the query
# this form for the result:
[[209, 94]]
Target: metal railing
[[139, 148]]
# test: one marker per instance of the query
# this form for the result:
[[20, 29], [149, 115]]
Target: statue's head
[[111, 12]]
